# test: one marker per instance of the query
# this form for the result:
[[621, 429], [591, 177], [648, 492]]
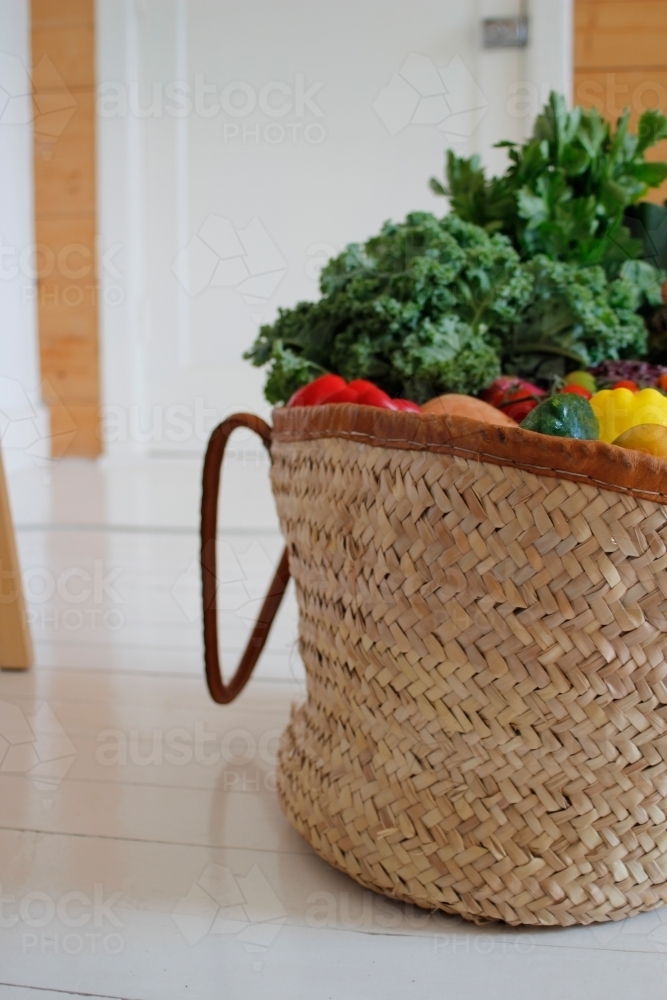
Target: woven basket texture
[[484, 731]]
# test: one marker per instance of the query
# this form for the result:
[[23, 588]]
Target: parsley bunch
[[566, 189]]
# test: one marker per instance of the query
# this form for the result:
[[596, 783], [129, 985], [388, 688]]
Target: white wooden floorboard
[[143, 854]]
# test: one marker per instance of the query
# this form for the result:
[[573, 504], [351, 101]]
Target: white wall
[[23, 418], [240, 145]]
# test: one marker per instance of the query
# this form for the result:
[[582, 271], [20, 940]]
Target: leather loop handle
[[221, 692]]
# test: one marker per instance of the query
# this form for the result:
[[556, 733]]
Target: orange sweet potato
[[467, 406]]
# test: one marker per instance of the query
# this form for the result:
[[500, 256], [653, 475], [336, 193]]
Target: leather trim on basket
[[591, 462]]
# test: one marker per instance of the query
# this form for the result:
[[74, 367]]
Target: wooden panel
[[65, 179], [617, 15], [75, 430], [67, 280], [50, 14], [613, 91], [70, 49], [65, 317], [616, 35], [67, 242], [71, 364], [15, 644], [64, 128]]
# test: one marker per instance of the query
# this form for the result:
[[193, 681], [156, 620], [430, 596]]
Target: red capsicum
[[334, 389], [316, 392]]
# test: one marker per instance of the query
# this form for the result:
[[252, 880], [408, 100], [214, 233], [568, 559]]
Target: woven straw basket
[[483, 621]]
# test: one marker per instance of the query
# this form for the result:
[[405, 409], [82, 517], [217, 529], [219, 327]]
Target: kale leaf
[[576, 317], [438, 305], [420, 309]]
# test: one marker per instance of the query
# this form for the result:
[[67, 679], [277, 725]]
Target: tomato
[[517, 411], [577, 390], [662, 381], [507, 388], [518, 403], [406, 406], [531, 389], [515, 396], [495, 392], [317, 391], [626, 383]]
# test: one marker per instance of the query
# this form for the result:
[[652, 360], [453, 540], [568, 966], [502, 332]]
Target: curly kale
[[576, 317], [438, 305], [420, 309]]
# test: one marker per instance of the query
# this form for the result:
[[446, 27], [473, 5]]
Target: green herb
[[567, 188]]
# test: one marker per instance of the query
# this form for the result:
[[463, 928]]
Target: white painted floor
[[142, 850]]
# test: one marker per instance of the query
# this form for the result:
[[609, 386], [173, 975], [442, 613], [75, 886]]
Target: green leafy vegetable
[[438, 305], [420, 309], [567, 188], [575, 318]]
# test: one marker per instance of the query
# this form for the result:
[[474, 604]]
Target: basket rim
[[591, 463]]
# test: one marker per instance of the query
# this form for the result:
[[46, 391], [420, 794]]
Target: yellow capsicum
[[619, 409]]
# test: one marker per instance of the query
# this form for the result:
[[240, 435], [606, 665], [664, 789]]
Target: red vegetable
[[519, 409], [344, 395], [495, 392], [626, 383], [508, 388], [577, 390], [376, 397], [334, 389], [316, 392], [514, 396], [360, 385]]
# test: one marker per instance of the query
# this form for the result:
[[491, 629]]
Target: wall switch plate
[[505, 32]]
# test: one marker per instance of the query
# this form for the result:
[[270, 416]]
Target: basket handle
[[221, 692]]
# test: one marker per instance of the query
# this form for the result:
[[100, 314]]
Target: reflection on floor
[[142, 850]]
